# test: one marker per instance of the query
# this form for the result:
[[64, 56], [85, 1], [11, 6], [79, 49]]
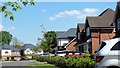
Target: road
[[16, 64]]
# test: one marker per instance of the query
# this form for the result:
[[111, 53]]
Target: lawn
[[42, 65]]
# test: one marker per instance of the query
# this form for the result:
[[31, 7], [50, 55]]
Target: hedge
[[67, 62]]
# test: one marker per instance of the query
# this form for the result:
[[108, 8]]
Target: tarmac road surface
[[16, 64]]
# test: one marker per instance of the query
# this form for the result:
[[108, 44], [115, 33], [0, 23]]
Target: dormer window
[[6, 52], [27, 50]]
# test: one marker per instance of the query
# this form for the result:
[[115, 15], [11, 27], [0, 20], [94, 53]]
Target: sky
[[55, 16]]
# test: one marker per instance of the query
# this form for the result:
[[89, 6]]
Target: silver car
[[108, 54]]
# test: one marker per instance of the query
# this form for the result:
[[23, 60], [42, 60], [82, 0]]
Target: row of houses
[[87, 36], [8, 52]]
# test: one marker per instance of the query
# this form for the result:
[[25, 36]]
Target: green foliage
[[50, 38], [44, 45], [92, 55], [5, 37], [15, 42], [48, 42], [14, 6], [70, 62], [17, 46], [37, 49]]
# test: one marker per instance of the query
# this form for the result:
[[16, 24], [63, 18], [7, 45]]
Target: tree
[[37, 49], [44, 45], [13, 6], [50, 38], [48, 42], [5, 37], [15, 42]]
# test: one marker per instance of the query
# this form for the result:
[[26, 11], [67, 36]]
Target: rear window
[[102, 45], [116, 46]]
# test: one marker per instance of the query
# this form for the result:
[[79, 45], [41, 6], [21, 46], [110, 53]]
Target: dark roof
[[59, 33], [118, 4], [103, 20], [69, 33], [6, 46], [106, 12], [81, 26], [30, 46]]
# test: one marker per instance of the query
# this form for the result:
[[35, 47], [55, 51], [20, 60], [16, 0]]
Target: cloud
[[51, 18], [43, 10], [1, 27], [78, 14], [90, 10], [11, 28]]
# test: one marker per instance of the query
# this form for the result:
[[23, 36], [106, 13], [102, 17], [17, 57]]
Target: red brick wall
[[95, 43], [97, 37], [72, 46]]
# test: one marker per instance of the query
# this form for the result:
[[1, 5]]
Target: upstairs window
[[6, 52], [88, 31], [79, 36], [27, 51], [118, 24]]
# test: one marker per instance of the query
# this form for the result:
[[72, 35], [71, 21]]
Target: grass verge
[[41, 65]]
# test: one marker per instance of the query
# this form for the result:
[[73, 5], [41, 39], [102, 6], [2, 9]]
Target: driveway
[[17, 64]]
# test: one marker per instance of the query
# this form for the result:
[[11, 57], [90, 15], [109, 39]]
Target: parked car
[[75, 54], [63, 52], [45, 54], [108, 54]]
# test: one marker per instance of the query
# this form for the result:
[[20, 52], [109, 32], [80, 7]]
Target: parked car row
[[68, 53]]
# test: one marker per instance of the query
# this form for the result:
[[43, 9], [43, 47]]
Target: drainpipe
[[99, 35]]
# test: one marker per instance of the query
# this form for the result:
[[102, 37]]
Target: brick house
[[27, 51], [96, 29], [10, 53], [80, 35], [64, 39], [71, 45], [117, 19]]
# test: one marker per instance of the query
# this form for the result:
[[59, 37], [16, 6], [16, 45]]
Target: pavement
[[16, 64]]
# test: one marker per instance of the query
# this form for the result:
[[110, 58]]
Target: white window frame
[[78, 35], [88, 31]]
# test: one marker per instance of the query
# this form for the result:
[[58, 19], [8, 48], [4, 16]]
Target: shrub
[[92, 55], [69, 62]]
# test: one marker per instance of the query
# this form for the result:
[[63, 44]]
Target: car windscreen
[[101, 45]]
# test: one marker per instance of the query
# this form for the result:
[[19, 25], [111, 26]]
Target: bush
[[67, 62], [92, 55]]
